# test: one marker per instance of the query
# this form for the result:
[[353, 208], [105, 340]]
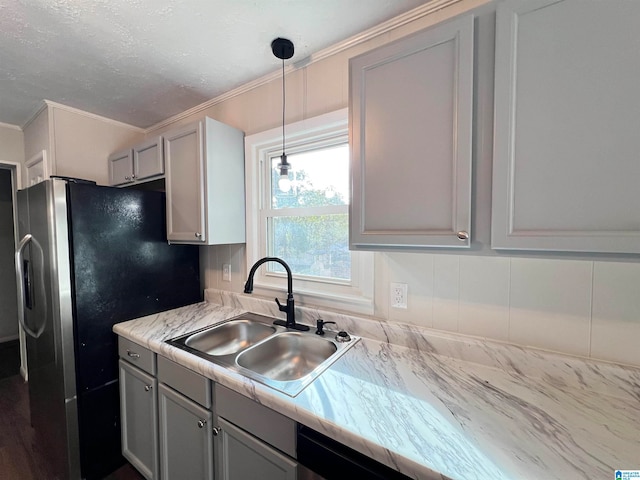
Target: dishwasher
[[333, 460]]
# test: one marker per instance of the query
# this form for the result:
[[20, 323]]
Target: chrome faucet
[[289, 307]]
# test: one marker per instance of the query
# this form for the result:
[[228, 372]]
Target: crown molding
[[60, 106], [10, 126], [41, 108], [407, 17]]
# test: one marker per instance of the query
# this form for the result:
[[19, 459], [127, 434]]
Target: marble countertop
[[435, 406]]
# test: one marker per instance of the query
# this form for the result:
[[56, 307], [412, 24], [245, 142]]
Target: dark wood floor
[[20, 458]]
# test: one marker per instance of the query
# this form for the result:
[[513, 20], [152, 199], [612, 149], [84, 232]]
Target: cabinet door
[[139, 414], [184, 164], [411, 105], [186, 443], [37, 168], [242, 456], [566, 169], [121, 168], [148, 159]]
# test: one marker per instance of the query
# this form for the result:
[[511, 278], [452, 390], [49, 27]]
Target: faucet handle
[[283, 308], [320, 323]]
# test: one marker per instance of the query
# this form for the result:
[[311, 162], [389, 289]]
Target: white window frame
[[355, 296]]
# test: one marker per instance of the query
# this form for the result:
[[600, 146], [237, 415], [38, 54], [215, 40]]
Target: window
[[306, 223]]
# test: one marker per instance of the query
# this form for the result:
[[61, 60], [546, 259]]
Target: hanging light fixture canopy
[[283, 49]]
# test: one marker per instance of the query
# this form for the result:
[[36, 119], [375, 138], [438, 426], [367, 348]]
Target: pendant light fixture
[[283, 49]]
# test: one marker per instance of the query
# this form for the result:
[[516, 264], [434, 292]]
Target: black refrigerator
[[89, 257]]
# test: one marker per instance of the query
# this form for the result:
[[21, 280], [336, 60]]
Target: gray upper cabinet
[[143, 162], [411, 106], [121, 167], [566, 154], [205, 184], [148, 159]]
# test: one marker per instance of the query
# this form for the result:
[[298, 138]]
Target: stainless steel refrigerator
[[89, 257]]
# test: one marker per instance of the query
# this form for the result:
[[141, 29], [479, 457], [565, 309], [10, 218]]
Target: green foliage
[[302, 193], [311, 245]]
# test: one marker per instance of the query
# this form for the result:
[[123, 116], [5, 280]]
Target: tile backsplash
[[615, 312], [550, 304], [579, 307]]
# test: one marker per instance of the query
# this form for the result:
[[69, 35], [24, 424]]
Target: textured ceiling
[[142, 61]]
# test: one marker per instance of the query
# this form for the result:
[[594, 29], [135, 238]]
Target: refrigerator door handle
[[25, 300], [28, 286]]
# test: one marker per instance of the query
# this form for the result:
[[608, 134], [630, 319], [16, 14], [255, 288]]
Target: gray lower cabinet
[[173, 430], [166, 416], [565, 167], [186, 423], [138, 415], [253, 441], [242, 456], [186, 442]]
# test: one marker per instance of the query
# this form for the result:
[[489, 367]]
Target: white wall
[[82, 142], [583, 305], [77, 143], [11, 144]]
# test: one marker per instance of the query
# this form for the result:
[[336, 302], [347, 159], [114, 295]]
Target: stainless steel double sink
[[250, 344]]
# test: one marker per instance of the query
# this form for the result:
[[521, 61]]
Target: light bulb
[[284, 184]]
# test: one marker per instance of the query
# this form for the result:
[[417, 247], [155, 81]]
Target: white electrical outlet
[[226, 272], [398, 295]]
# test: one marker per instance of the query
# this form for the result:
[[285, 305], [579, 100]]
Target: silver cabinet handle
[[133, 354], [127, 177], [147, 388], [198, 235], [462, 235], [133, 177], [201, 423], [216, 431]]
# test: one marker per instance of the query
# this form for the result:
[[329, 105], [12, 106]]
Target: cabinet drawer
[[266, 424], [185, 381], [137, 355]]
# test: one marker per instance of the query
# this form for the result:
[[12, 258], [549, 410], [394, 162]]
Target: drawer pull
[[216, 431], [201, 423], [133, 354], [147, 388]]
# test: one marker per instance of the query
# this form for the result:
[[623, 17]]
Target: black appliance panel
[[122, 268], [333, 460], [99, 423]]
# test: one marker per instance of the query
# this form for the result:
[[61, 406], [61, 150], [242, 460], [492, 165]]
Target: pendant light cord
[[283, 106]]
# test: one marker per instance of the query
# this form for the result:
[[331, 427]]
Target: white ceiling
[[142, 61]]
